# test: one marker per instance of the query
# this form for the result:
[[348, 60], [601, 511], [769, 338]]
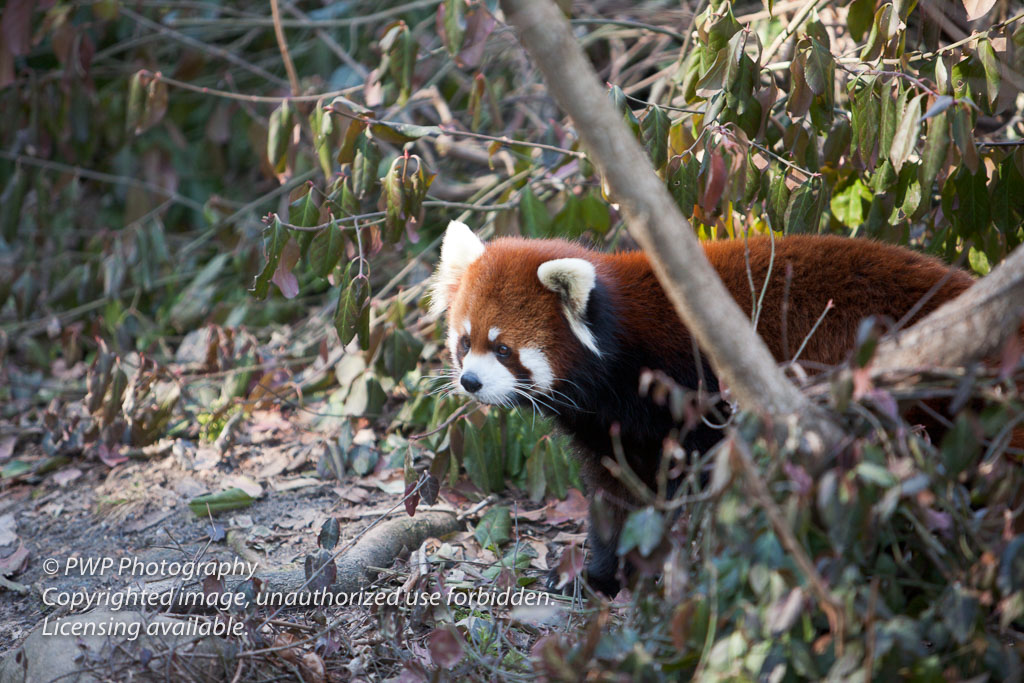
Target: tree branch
[[724, 333], [974, 325]]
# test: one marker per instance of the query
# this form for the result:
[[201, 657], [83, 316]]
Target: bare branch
[[974, 325]]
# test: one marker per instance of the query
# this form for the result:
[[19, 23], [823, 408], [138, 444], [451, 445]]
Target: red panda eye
[[503, 351], [465, 342]]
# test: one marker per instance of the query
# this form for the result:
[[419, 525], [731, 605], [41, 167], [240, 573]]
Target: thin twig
[[103, 177], [794, 24], [438, 131], [630, 24], [293, 78], [828, 307], [226, 55], [831, 606], [266, 99], [345, 22], [451, 418]]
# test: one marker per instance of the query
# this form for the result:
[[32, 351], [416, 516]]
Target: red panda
[[570, 330]]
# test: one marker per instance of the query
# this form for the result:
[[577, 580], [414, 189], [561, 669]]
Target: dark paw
[[606, 585]]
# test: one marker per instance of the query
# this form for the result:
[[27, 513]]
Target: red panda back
[[859, 277]]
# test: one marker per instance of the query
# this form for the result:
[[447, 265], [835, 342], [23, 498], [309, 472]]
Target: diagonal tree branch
[[737, 354], [974, 325]]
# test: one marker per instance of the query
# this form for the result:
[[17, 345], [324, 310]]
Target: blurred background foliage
[[201, 215]]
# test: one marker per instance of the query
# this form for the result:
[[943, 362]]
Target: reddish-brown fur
[[501, 289], [851, 273]]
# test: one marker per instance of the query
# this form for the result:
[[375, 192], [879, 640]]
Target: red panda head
[[517, 314]]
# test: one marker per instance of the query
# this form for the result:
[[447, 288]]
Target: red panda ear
[[459, 249], [572, 279]]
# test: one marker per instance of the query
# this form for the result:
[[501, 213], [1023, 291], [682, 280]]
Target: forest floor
[[138, 509]]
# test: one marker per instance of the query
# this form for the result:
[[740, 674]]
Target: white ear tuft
[[572, 279], [459, 249]]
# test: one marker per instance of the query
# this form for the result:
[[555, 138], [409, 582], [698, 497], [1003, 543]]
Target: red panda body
[[570, 330]]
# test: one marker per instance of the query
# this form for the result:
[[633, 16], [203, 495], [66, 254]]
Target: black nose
[[471, 382]]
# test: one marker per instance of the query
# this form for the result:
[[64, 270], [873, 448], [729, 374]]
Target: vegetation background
[[212, 211]]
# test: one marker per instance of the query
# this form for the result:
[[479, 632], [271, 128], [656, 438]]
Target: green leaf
[[454, 23], [621, 104], [941, 104], [683, 184], [15, 468], [655, 128], [325, 249], [363, 458], [11, 201], [352, 313], [819, 68], [936, 144], [908, 191], [568, 222], [905, 138], [778, 200], [979, 262], [643, 530], [866, 114], [401, 353], [959, 611], [394, 201], [848, 203], [353, 135], [968, 79], [482, 459], [880, 33], [274, 239], [330, 534], [279, 135], [960, 445], [212, 503], [858, 18], [595, 214], [556, 469], [891, 107], [147, 102], [304, 212], [534, 219], [973, 210], [494, 528], [1007, 204], [401, 133], [963, 137], [322, 124], [364, 166], [837, 144], [136, 101], [401, 50], [803, 213], [722, 30], [873, 473]]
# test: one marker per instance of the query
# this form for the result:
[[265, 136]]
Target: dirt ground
[[139, 509]]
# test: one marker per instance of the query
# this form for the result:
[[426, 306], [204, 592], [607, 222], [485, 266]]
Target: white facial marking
[[469, 328], [453, 342], [493, 333], [583, 333], [497, 383], [537, 363]]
